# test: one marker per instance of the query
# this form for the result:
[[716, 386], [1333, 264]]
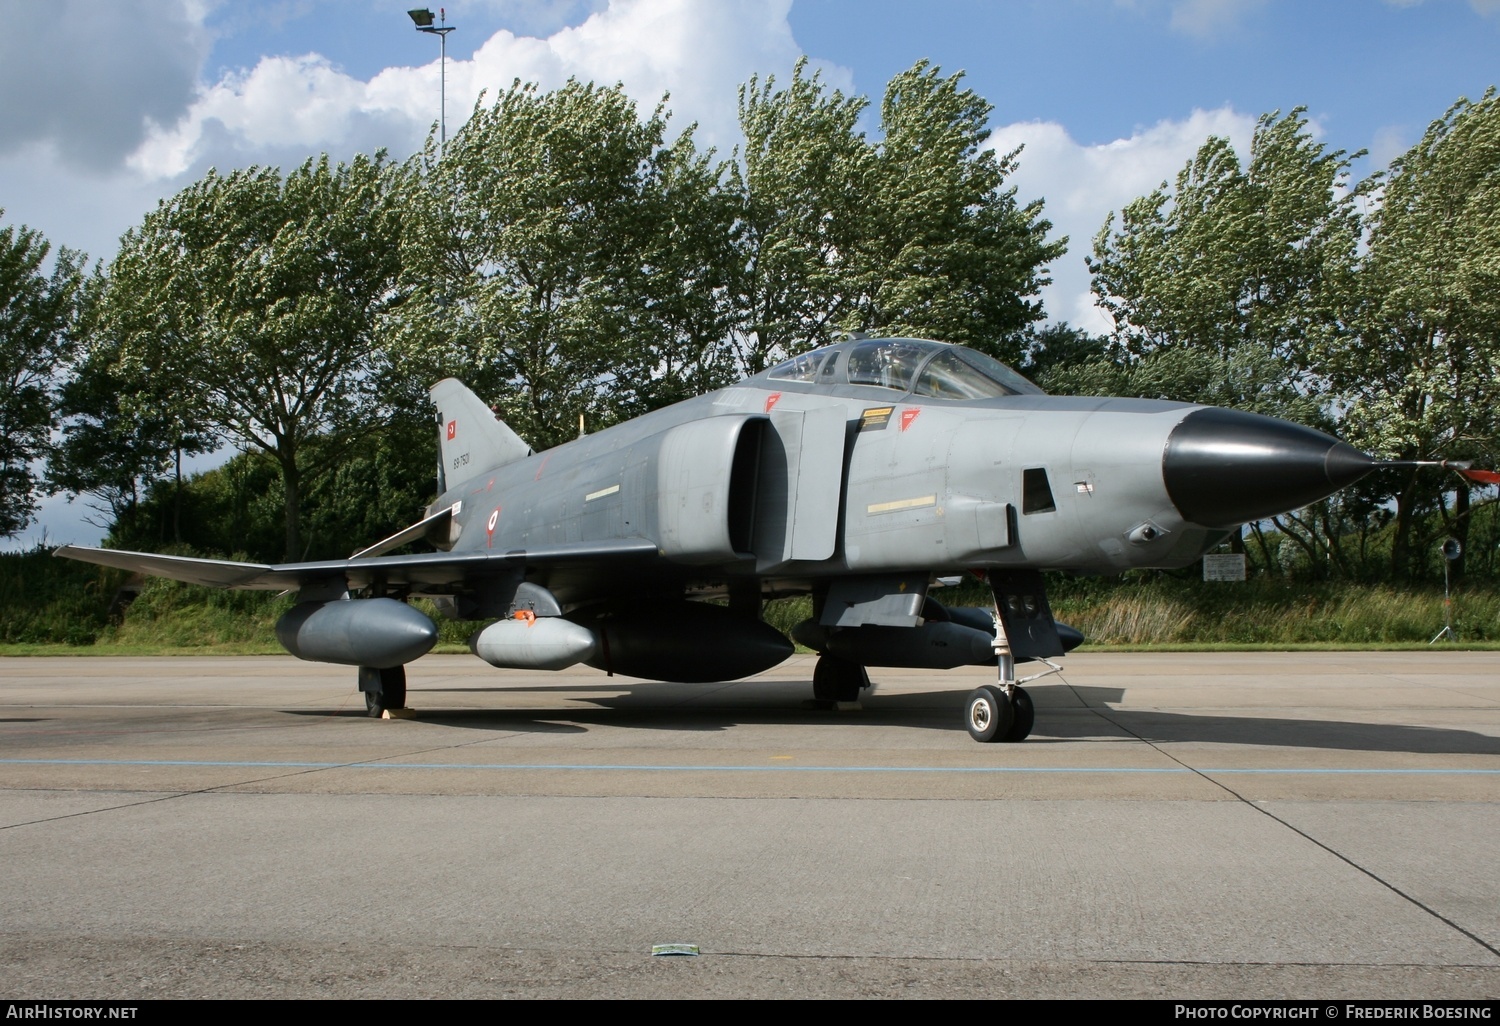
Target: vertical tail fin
[[471, 439]]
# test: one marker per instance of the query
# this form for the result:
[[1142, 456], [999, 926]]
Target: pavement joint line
[[94, 812], [384, 763], [1264, 811], [304, 768]]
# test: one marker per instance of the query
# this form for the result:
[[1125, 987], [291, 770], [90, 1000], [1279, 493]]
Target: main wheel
[[838, 680], [988, 714], [1025, 716], [384, 689], [393, 686]]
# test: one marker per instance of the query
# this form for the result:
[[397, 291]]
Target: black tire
[[393, 687], [384, 689], [838, 680], [823, 680], [988, 714], [1025, 716]]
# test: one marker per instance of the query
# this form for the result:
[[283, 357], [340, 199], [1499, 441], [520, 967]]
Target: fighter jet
[[863, 473]]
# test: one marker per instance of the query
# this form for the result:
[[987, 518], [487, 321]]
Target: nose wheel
[[991, 714]]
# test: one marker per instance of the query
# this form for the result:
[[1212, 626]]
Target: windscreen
[[958, 373]]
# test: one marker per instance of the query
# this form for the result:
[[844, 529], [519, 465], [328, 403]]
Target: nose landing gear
[[993, 714], [1024, 629]]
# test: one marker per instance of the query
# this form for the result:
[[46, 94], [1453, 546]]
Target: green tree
[[256, 297], [563, 258], [114, 446], [1068, 361], [806, 187], [691, 266], [36, 342], [1221, 286], [376, 490], [916, 233], [949, 254], [1421, 379]]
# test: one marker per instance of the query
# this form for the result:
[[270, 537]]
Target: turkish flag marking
[[452, 430]]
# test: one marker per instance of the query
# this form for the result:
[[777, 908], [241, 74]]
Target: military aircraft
[[863, 473]]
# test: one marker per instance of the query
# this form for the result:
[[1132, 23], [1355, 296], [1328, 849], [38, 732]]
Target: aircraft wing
[[430, 570]]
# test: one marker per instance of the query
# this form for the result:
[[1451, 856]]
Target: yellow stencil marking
[[897, 504]]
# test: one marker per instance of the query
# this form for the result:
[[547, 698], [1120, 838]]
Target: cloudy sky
[[111, 105]]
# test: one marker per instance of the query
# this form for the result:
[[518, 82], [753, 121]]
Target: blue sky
[[112, 105]]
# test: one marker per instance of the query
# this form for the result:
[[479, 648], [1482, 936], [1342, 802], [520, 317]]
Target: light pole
[[422, 17]]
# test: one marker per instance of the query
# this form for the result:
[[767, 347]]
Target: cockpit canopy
[[935, 370]]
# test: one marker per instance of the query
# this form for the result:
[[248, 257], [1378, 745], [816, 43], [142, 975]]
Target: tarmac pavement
[[1239, 825]]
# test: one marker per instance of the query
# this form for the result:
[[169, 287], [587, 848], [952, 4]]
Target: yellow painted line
[[891, 507], [601, 493]]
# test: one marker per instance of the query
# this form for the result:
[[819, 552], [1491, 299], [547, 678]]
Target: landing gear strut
[[838, 680], [1003, 711], [384, 688]]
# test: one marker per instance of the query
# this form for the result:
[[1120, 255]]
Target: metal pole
[[442, 94], [422, 18]]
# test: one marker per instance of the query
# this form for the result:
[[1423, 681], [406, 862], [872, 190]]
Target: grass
[[50, 606], [1273, 613]]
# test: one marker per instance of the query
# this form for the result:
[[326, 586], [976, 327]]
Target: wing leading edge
[[427, 570]]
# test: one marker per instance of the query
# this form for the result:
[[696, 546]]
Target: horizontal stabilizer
[[410, 534]]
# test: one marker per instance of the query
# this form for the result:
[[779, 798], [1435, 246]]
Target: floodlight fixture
[[422, 18]]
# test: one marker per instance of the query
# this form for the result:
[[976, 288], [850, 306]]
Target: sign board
[[1225, 566]]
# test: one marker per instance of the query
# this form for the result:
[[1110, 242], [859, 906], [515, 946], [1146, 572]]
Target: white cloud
[[1083, 184], [1484, 8], [103, 70], [697, 52], [89, 170], [1210, 19], [542, 17], [1390, 142], [296, 103], [78, 208]]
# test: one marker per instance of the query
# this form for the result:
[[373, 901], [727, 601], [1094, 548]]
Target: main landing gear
[[838, 680], [384, 689]]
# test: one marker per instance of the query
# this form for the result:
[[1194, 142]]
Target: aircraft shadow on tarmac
[[1281, 732], [1065, 714]]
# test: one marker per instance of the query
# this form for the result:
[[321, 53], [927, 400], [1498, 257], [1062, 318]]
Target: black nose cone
[[1225, 467]]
